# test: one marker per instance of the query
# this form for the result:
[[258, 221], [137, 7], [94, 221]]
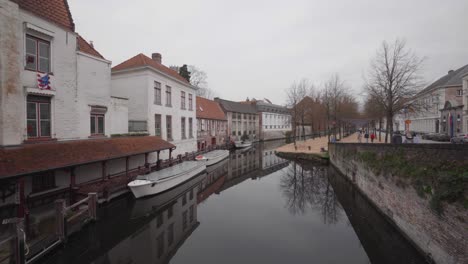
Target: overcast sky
[[258, 48]]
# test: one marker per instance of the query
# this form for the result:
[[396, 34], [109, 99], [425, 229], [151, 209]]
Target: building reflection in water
[[151, 230]]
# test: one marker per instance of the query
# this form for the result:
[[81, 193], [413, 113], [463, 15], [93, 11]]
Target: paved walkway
[[314, 145]]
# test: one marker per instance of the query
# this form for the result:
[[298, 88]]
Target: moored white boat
[[165, 179], [213, 157], [242, 144]]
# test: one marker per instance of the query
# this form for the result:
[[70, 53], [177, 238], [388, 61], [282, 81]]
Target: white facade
[[78, 80], [426, 119], [276, 122], [465, 104], [138, 85]]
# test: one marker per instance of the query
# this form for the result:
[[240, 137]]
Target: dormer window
[[37, 54]]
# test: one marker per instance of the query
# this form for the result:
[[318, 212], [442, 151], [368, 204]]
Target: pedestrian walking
[[372, 137], [359, 137], [366, 136]]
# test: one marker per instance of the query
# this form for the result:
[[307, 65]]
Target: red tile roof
[[56, 11], [31, 158], [142, 60], [85, 47], [209, 109]]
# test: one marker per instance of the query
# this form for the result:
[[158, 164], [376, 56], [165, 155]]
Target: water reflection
[[309, 188], [235, 213]]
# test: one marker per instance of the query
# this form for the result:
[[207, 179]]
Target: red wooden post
[[126, 165], [21, 200], [72, 177], [104, 170], [72, 184]]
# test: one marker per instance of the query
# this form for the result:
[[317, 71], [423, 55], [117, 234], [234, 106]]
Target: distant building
[[438, 108], [211, 124], [274, 120], [242, 119], [161, 101], [465, 103]]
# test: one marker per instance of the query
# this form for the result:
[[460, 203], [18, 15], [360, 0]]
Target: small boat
[[165, 179], [213, 157], [242, 144]]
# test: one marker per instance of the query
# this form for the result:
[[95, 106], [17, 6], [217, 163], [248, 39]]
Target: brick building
[[211, 124]]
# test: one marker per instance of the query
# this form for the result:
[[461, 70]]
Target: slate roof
[[56, 11], [33, 158], [142, 60], [230, 106], [209, 109], [450, 79], [85, 47]]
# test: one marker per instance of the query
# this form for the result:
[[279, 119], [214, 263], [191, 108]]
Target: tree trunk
[[380, 129]]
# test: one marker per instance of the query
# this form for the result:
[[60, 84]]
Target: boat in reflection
[[152, 229]]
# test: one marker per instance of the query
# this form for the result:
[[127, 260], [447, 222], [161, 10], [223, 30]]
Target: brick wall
[[441, 236]]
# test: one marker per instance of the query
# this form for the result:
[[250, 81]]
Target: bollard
[[20, 242], [92, 206], [309, 147], [61, 228]]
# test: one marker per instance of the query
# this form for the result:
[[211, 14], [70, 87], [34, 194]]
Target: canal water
[[252, 208]]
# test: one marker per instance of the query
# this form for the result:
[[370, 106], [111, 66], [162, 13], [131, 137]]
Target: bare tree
[[332, 96], [198, 78], [295, 94], [393, 78]]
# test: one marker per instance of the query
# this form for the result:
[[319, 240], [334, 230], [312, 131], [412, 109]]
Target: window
[[168, 96], [191, 213], [97, 121], [169, 127], [459, 92], [157, 125], [157, 93], [37, 54], [38, 117], [190, 123], [43, 181], [184, 199], [191, 194], [182, 100], [182, 125], [170, 234], [190, 102]]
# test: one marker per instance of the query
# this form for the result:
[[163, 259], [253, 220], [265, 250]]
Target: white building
[[275, 120], [72, 114], [425, 111], [465, 103], [161, 101], [79, 78]]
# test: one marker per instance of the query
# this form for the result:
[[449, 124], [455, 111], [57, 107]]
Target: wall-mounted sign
[[43, 81]]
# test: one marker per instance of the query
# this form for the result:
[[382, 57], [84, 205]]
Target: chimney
[[157, 57], [91, 44], [450, 72]]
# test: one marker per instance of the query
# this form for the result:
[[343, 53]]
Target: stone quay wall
[[409, 184]]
